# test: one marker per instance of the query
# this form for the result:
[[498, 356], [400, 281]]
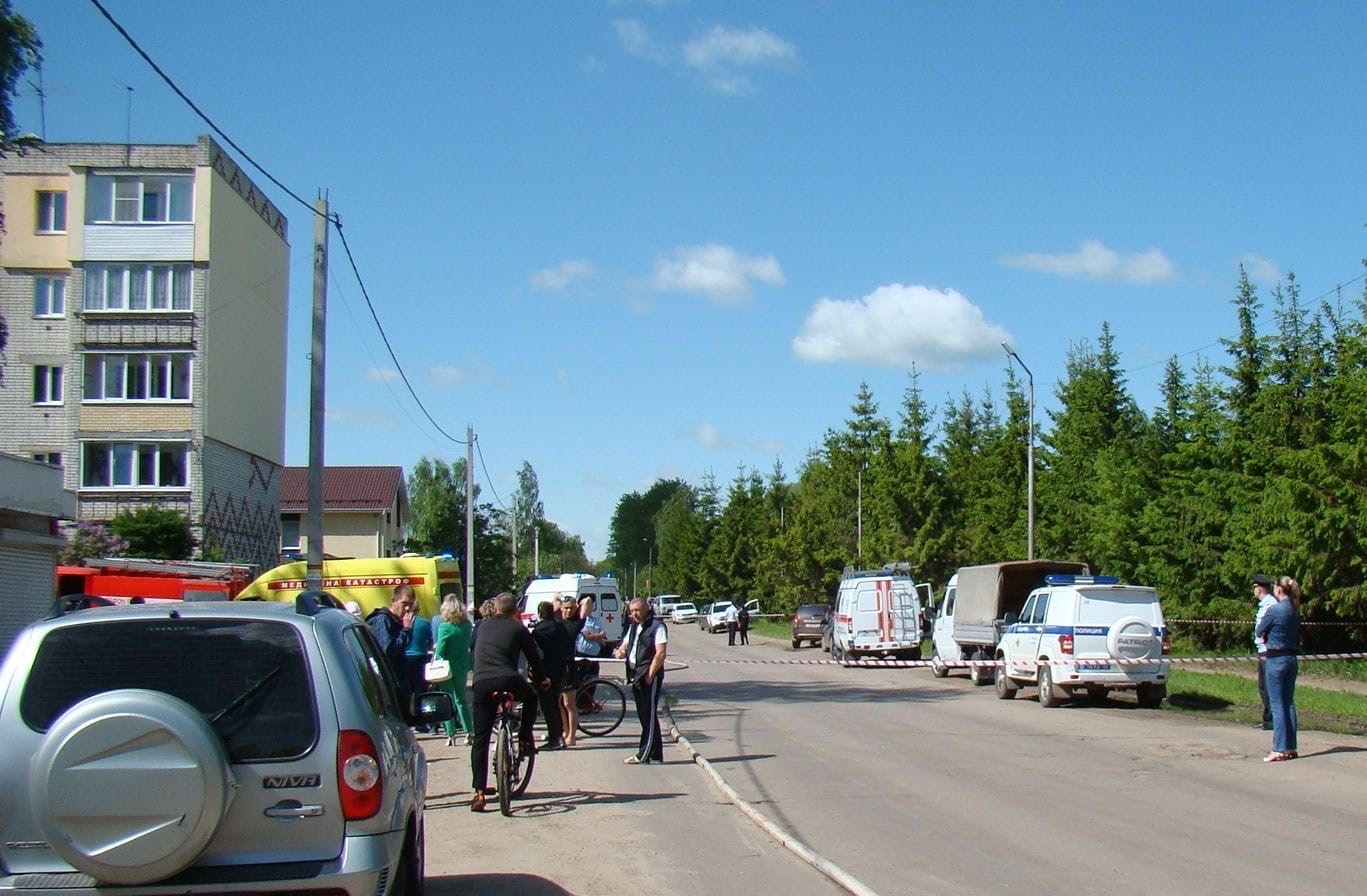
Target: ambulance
[[879, 612], [609, 607], [368, 581]]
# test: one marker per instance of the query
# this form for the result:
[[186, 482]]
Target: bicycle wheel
[[503, 767], [522, 771], [609, 706]]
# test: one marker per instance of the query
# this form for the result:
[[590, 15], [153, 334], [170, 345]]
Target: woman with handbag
[[453, 645]]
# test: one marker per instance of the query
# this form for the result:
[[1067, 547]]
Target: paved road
[[912, 785]]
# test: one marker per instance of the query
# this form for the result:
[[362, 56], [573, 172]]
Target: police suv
[[1086, 634]]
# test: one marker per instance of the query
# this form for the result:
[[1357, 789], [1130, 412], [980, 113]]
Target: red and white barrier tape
[[1247, 622], [963, 664]]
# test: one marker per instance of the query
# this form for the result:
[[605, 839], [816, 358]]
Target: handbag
[[437, 670]]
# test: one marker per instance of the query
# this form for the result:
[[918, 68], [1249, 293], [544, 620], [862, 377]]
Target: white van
[[879, 612], [1086, 634], [609, 607]]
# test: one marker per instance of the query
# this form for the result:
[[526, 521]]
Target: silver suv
[[209, 748]]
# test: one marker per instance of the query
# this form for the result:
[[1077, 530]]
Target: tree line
[[1257, 465]]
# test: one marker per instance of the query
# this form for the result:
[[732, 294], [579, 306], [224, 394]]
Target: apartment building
[[146, 290]]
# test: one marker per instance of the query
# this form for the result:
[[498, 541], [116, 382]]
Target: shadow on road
[[494, 885], [547, 802]]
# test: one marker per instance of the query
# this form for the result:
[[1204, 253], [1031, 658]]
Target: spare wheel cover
[[129, 786], [1131, 638]]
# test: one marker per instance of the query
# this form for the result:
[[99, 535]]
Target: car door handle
[[293, 809]]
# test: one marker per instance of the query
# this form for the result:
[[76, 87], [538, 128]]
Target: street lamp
[[859, 514], [1029, 458]]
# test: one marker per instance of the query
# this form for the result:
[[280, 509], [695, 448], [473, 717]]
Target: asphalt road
[[910, 785]]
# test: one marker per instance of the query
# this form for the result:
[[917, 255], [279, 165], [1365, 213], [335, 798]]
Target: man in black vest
[[644, 647]]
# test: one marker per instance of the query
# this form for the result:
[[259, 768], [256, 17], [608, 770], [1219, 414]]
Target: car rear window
[[209, 663]]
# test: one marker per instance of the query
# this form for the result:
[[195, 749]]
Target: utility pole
[[859, 514], [313, 574], [470, 514]]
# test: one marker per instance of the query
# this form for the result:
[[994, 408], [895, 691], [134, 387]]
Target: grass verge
[[1234, 698]]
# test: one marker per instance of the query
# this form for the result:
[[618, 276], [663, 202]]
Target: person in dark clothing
[[557, 651], [502, 640], [743, 624], [393, 628], [643, 647]]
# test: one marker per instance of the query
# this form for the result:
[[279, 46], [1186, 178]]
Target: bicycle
[[512, 767], [602, 705]]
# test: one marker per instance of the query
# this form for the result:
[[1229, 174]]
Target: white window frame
[[139, 377], [135, 466], [51, 458], [49, 296], [140, 199], [50, 211], [159, 288], [47, 384]]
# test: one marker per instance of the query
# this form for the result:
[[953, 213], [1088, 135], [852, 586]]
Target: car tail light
[[1065, 644], [1167, 645], [359, 781]]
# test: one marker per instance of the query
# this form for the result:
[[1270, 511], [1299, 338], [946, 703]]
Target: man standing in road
[[644, 648], [1262, 591], [393, 628], [732, 617]]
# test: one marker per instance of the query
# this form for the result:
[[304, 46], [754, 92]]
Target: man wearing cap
[[1262, 590]]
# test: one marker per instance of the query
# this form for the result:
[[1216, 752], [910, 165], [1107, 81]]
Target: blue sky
[[633, 240]]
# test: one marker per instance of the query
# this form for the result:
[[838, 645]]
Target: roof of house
[[344, 488]]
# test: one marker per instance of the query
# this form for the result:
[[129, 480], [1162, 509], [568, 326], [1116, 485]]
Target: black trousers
[[647, 697], [730, 634], [485, 709], [550, 708], [1262, 691]]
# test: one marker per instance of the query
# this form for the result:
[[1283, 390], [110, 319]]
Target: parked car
[[712, 617], [209, 747], [683, 613], [809, 622]]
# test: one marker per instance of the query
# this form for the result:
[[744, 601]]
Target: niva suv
[[209, 747]]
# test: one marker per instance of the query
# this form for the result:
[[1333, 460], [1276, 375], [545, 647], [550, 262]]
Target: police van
[[879, 612], [608, 605], [1086, 634]]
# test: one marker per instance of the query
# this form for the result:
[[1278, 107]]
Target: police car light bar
[[1055, 578]]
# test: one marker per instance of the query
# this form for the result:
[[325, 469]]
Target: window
[[138, 287], [289, 531], [51, 211], [150, 377], [159, 199], [49, 296], [51, 458], [139, 465], [47, 384]]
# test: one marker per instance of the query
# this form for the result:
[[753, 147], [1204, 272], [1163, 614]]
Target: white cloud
[[708, 436], [448, 376], [1094, 261], [1261, 270], [725, 57], [897, 326], [637, 41], [562, 275], [718, 272], [382, 375], [562, 376]]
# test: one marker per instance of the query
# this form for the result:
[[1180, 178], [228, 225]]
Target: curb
[[829, 869]]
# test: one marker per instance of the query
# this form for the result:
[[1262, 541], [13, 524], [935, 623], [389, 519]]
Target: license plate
[[1093, 667]]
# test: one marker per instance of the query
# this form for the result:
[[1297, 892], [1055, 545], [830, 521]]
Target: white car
[[683, 613], [712, 617]]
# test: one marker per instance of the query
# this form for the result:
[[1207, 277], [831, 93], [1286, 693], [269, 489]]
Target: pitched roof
[[344, 488]]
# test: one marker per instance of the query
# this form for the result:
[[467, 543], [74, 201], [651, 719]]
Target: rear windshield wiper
[[246, 695]]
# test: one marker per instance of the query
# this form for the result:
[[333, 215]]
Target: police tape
[[1247, 622], [1084, 665]]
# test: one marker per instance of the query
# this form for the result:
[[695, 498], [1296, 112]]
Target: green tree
[[156, 532]]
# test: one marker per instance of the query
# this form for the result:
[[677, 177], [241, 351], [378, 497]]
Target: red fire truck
[[124, 579]]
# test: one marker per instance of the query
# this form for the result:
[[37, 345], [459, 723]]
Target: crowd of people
[[542, 667]]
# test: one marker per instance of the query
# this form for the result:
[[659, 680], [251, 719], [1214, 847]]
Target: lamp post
[[633, 578], [1029, 458], [859, 515]]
